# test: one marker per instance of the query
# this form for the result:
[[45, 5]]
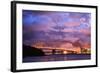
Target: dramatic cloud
[[63, 27]]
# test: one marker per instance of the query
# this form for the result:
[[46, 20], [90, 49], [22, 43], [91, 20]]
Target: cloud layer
[[51, 27]]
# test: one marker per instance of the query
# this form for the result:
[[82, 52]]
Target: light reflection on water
[[57, 58]]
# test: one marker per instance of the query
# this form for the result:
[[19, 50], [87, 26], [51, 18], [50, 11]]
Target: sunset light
[[51, 33]]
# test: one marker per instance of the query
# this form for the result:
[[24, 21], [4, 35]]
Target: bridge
[[54, 50], [49, 50]]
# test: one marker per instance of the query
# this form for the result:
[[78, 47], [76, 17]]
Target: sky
[[56, 28]]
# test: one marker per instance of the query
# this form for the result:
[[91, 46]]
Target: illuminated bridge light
[[64, 52]]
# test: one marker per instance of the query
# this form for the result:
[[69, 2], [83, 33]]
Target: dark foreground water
[[57, 58]]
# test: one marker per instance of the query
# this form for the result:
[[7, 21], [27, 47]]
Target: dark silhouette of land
[[29, 51]]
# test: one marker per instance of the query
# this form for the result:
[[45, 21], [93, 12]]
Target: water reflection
[[57, 58]]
